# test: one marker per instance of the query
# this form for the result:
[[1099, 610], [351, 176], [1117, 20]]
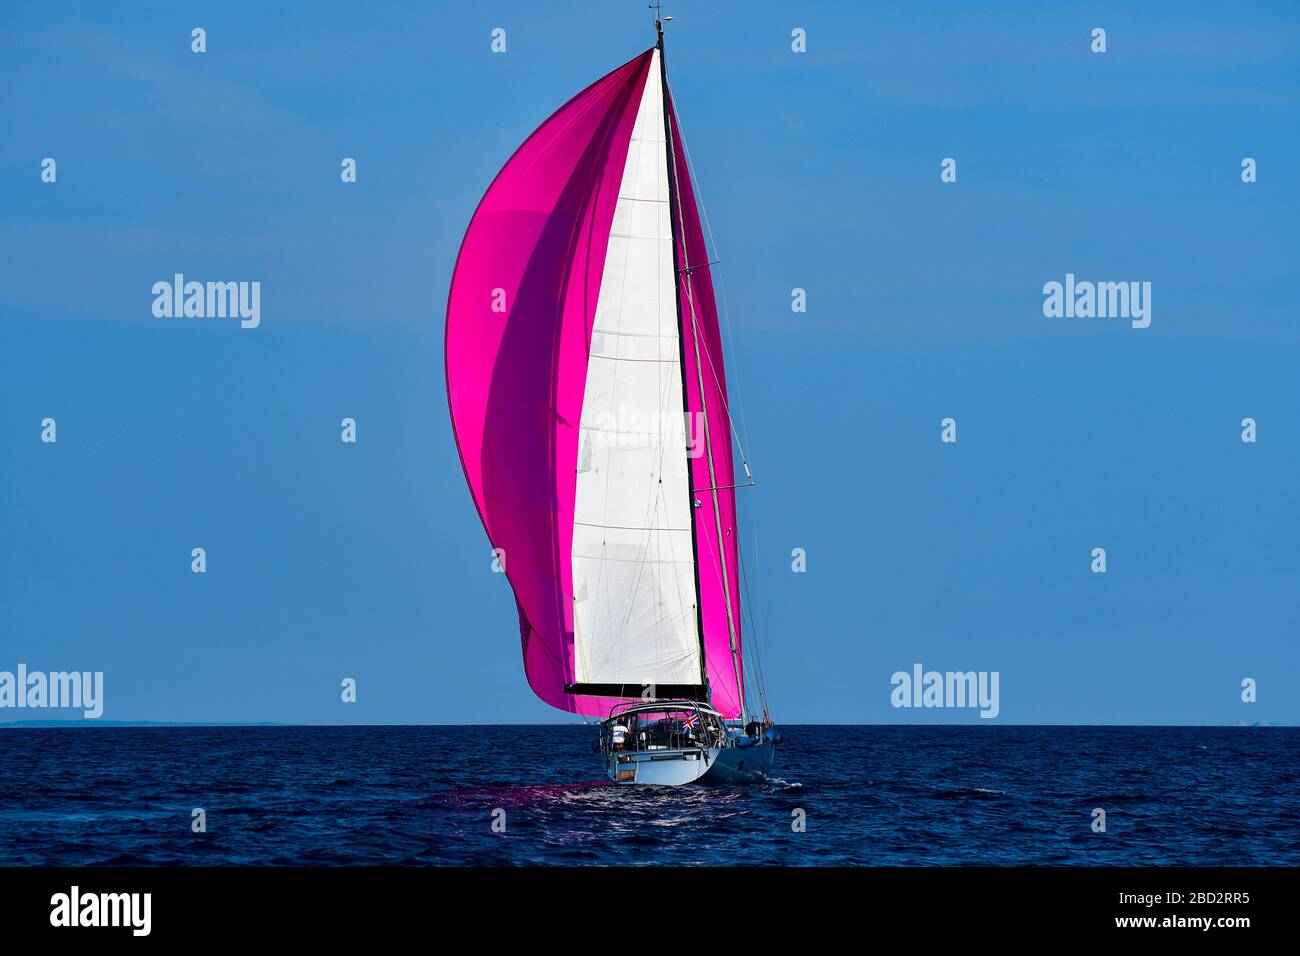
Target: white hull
[[660, 768], [675, 742], [675, 768]]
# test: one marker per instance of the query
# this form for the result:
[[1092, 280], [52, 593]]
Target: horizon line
[[86, 722]]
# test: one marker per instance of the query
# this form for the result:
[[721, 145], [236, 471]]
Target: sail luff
[[674, 218], [717, 556], [686, 292]]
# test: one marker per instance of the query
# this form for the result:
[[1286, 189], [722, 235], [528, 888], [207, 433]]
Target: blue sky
[[818, 171]]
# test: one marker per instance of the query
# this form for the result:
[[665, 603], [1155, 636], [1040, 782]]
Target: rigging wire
[[722, 394], [716, 260], [741, 442]]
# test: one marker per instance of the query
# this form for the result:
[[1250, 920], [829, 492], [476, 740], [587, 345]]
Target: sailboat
[[588, 397]]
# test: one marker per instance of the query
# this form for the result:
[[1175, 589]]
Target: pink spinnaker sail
[[519, 345]]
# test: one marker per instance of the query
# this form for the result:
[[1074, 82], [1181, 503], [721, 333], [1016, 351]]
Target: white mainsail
[[634, 590]]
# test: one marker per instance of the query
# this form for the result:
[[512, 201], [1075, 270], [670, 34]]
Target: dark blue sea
[[421, 796]]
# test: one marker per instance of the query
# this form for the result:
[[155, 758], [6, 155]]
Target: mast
[[681, 346], [678, 230]]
